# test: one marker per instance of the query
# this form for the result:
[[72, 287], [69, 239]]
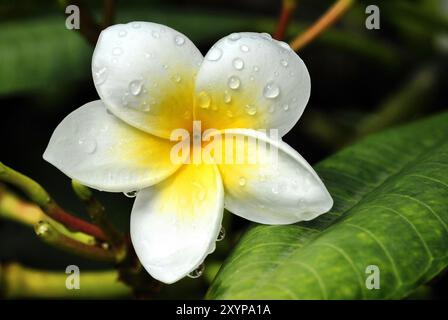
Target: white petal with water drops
[[269, 189], [171, 230], [271, 75], [143, 57], [97, 149]]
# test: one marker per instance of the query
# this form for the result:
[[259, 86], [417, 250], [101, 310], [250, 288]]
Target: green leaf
[[391, 210]]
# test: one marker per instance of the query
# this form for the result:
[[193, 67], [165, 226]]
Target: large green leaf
[[391, 210]]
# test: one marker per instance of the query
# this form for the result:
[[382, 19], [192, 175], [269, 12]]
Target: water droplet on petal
[[266, 35], [286, 107], [197, 272], [135, 87], [244, 48], [122, 33], [271, 90], [284, 45], [221, 235], [242, 181], [271, 109], [214, 54], [251, 110], [238, 63], [235, 36], [136, 25], [274, 190], [99, 75], [117, 51], [149, 55], [131, 194], [87, 145], [146, 107], [229, 114], [284, 63], [179, 40], [155, 34], [204, 100], [234, 82], [227, 97], [177, 78], [256, 68]]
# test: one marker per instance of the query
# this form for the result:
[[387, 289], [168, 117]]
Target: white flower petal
[[278, 190], [174, 224], [144, 72], [101, 151], [248, 80]]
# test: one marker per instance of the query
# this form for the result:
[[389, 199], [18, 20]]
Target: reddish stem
[[72, 222], [288, 8]]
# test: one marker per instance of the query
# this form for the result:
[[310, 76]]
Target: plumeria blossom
[[153, 80]]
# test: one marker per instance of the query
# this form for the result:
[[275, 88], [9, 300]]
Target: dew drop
[[274, 190], [99, 75], [135, 87], [242, 181], [227, 97], [165, 66], [256, 68], [284, 63], [87, 145], [149, 55], [244, 48], [234, 82], [42, 228], [251, 110], [214, 54], [229, 114], [131, 194], [235, 36], [179, 40], [204, 100], [221, 235], [284, 45], [266, 35], [117, 51], [251, 78], [177, 78], [122, 33], [155, 34], [146, 107], [136, 25], [271, 109], [271, 90], [238, 64], [197, 272]]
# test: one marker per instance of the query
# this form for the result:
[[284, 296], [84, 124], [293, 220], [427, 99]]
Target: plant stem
[[17, 281], [46, 232], [39, 195], [98, 215], [108, 13], [288, 7], [332, 15]]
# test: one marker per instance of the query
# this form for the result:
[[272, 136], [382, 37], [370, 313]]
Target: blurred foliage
[[363, 81]]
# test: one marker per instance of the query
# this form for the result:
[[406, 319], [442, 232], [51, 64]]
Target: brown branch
[[331, 16], [288, 7], [108, 13]]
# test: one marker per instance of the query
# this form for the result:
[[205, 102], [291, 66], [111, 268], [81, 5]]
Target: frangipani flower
[[153, 80]]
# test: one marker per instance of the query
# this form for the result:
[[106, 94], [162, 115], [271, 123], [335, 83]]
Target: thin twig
[[108, 13], [46, 232], [40, 196], [331, 16], [288, 7], [98, 215]]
